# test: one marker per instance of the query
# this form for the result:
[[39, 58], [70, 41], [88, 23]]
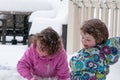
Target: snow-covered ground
[[10, 54], [114, 72]]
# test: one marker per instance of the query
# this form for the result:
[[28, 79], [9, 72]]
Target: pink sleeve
[[63, 71], [24, 64]]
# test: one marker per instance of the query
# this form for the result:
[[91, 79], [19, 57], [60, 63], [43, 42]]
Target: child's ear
[[99, 41]]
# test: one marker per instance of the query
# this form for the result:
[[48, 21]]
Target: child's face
[[88, 40], [41, 53]]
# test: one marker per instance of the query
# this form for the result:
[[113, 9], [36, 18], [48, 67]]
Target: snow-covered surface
[[114, 72], [54, 18], [9, 56], [25, 5], [40, 24], [60, 8]]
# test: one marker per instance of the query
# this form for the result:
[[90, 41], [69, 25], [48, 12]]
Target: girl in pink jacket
[[45, 58]]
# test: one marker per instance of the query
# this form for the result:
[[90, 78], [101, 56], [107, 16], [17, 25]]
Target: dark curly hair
[[97, 29], [49, 40]]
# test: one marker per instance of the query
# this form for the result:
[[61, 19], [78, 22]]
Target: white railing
[[79, 10]]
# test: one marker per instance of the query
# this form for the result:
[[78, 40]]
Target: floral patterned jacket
[[93, 63]]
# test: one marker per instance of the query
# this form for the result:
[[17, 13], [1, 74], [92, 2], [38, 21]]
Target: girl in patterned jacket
[[93, 61], [45, 59]]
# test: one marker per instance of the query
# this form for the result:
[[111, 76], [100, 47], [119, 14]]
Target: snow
[[54, 18], [9, 56], [114, 72], [25, 5], [40, 23]]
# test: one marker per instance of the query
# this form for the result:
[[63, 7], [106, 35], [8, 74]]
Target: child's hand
[[34, 78]]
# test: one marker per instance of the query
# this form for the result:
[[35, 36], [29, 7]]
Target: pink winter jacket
[[54, 66]]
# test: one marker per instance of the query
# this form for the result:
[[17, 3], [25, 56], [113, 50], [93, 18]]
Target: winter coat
[[31, 64], [93, 63]]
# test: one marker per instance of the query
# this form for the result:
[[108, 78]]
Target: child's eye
[[88, 40], [82, 37]]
